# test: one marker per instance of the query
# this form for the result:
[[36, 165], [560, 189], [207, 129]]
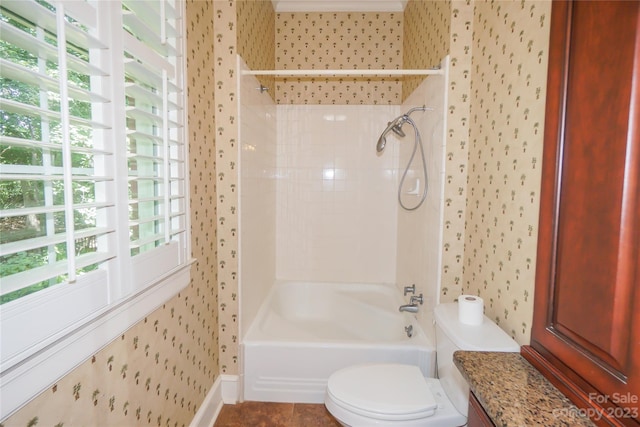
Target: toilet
[[398, 395]]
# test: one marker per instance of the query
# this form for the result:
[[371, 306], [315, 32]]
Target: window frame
[[108, 301]]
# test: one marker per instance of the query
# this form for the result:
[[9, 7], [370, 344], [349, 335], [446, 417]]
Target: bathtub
[[305, 331]]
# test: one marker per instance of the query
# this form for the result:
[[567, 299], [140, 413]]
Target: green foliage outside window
[[27, 193]]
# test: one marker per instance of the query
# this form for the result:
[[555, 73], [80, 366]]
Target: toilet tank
[[451, 335]]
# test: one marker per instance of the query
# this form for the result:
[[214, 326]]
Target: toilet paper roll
[[470, 310]]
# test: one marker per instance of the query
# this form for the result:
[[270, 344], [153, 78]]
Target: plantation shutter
[[93, 179], [54, 176], [155, 136], [56, 198]]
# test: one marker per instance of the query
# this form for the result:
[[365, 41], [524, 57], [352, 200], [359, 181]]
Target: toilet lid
[[383, 391]]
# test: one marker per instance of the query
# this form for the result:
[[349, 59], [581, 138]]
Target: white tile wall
[[336, 206], [419, 231], [257, 227], [319, 204]]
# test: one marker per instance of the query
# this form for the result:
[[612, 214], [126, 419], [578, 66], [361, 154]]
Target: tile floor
[[263, 414]]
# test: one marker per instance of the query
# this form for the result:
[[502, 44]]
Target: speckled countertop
[[514, 393]]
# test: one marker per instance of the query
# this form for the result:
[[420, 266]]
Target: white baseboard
[[223, 391], [230, 389]]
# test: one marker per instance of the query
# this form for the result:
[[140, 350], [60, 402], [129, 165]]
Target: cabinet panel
[[587, 281], [590, 235], [477, 417]]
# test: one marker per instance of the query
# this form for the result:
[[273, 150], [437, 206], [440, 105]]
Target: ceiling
[[339, 5]]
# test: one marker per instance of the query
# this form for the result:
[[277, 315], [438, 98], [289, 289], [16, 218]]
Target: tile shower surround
[[334, 196], [336, 208]]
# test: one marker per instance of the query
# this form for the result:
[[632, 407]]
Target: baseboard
[[230, 388], [223, 391]]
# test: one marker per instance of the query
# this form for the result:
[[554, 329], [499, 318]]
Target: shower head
[[382, 141], [396, 126]]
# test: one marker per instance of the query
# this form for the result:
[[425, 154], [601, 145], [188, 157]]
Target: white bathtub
[[304, 332]]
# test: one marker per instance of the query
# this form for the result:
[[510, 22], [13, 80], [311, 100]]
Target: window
[[93, 191]]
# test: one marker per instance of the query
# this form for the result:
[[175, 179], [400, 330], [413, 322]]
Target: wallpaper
[[425, 40], [457, 149], [226, 128], [158, 372], [256, 38], [339, 40], [508, 90]]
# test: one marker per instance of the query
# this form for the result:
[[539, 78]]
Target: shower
[[396, 126]]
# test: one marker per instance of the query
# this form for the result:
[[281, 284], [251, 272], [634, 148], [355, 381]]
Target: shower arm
[[401, 120], [423, 108]]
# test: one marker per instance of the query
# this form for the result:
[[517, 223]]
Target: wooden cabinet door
[[587, 309]]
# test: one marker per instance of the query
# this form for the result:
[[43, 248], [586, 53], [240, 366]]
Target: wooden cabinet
[[477, 417], [586, 326]]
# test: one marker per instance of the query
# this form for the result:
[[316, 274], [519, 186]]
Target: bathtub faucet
[[411, 308]]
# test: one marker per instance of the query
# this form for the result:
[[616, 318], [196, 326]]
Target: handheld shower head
[[395, 126], [382, 141]]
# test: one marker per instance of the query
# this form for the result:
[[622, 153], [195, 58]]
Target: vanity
[[506, 390]]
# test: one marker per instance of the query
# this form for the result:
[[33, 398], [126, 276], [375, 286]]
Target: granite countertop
[[514, 393]]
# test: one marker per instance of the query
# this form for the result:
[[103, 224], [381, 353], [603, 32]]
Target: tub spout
[[411, 308]]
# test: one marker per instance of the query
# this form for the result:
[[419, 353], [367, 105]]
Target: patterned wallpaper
[[339, 40], [457, 149], [426, 38], [158, 372], [508, 90], [226, 128], [249, 26], [256, 38]]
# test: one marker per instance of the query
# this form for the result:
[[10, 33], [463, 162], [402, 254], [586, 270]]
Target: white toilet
[[399, 395]]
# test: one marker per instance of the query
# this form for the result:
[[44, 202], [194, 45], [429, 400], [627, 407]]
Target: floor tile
[[266, 414], [307, 415]]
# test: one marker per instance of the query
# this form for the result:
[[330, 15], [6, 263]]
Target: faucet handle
[[416, 299], [410, 289]]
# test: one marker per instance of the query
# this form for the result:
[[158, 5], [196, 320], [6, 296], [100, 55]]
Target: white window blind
[[53, 187], [153, 87], [93, 190]]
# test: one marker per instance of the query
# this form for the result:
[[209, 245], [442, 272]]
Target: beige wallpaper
[[339, 40], [508, 89], [426, 38], [158, 372], [256, 38], [457, 149], [226, 127]]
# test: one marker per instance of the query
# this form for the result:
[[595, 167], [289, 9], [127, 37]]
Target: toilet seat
[[389, 392]]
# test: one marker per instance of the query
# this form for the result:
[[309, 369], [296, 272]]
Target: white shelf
[[335, 73]]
